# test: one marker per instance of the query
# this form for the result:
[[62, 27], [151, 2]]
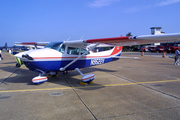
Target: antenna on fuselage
[[81, 37], [68, 38]]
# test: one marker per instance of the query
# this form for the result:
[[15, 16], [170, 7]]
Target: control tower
[[156, 30]]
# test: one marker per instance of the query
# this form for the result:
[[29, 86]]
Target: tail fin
[[5, 45], [117, 51]]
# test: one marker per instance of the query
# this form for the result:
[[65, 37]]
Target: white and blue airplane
[[63, 56]]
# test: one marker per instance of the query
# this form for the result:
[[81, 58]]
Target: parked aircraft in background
[[3, 47], [15, 48], [63, 56]]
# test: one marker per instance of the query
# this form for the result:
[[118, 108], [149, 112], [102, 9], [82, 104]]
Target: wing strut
[[63, 68]]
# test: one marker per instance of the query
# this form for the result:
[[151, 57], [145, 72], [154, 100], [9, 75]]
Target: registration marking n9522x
[[97, 61]]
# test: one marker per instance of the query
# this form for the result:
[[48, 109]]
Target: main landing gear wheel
[[39, 79], [52, 74], [87, 79]]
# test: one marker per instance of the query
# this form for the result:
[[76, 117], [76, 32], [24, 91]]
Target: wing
[[136, 40], [32, 44], [115, 41]]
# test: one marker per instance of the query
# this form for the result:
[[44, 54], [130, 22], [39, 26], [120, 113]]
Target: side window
[[100, 49], [83, 51], [62, 48], [73, 51]]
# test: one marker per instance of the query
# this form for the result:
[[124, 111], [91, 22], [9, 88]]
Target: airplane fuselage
[[52, 59]]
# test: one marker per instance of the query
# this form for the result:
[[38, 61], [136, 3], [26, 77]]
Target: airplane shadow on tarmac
[[23, 75]]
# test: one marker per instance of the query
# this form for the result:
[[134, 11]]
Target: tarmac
[[145, 88]]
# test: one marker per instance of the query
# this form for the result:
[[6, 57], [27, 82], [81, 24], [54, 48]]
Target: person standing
[[1, 57], [177, 53], [10, 51]]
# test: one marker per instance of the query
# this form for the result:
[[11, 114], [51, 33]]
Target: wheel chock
[[49, 76], [83, 83], [92, 81]]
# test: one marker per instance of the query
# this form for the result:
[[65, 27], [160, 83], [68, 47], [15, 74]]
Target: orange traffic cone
[[142, 53], [164, 54]]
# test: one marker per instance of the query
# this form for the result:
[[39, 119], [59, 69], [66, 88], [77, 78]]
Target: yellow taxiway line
[[88, 86]]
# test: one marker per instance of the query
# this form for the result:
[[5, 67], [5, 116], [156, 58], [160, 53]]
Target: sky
[[59, 20]]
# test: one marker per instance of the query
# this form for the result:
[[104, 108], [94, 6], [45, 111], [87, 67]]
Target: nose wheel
[[65, 72], [52, 74]]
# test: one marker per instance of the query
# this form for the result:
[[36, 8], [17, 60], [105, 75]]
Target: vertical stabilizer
[[5, 46], [117, 51]]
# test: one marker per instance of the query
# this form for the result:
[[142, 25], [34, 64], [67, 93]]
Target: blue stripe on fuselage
[[56, 65]]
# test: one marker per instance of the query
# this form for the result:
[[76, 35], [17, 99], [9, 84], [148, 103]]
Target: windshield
[[56, 46]]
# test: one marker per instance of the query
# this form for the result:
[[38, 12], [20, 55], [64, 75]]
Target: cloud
[[136, 9], [167, 2], [160, 4], [132, 10], [101, 3]]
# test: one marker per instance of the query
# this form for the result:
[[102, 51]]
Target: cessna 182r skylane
[[58, 57]]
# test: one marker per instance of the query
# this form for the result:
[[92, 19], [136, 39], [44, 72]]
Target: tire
[[18, 65]]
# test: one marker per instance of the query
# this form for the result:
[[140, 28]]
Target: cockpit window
[[100, 49], [73, 51], [83, 51], [53, 45], [62, 48], [59, 46]]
